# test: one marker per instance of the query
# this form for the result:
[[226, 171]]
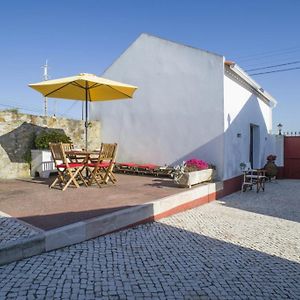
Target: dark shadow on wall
[[18, 142], [210, 149], [229, 147], [237, 138]]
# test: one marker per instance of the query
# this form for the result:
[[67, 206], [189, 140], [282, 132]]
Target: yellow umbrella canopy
[[84, 87]]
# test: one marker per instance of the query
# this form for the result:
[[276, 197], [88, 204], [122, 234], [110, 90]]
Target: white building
[[190, 103]]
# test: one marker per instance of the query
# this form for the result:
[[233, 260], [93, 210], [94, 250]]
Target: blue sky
[[87, 36]]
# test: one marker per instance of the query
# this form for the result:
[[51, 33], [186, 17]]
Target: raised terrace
[[52, 219]]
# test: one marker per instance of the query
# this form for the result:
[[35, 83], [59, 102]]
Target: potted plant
[[41, 159], [192, 172], [242, 166], [270, 166]]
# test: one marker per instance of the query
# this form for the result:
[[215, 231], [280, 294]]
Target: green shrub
[[43, 139], [31, 145]]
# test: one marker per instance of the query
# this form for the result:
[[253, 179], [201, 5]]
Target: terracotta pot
[[271, 169]]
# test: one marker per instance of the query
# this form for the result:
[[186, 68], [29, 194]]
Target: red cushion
[[100, 165], [71, 165], [148, 166], [128, 164]]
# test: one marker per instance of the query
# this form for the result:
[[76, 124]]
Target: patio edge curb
[[113, 222], [132, 216], [25, 248]]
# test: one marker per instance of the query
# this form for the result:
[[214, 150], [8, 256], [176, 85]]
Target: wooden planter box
[[195, 177]]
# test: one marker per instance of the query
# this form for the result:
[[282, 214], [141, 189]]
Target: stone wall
[[17, 132]]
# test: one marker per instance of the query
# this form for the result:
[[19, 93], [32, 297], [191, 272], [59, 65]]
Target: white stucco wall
[[177, 111], [276, 147], [242, 108]]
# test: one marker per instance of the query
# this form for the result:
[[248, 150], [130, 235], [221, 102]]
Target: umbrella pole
[[86, 118]]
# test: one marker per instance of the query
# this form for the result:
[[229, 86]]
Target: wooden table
[[81, 156], [84, 157]]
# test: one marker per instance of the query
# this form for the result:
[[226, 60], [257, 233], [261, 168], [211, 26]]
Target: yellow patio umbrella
[[84, 87]]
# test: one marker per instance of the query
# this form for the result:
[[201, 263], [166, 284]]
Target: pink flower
[[197, 164]]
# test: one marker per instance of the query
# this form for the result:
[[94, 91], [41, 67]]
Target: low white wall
[[177, 111], [277, 148]]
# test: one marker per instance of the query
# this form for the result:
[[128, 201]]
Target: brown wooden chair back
[[108, 152], [68, 172], [67, 146], [102, 169], [58, 153]]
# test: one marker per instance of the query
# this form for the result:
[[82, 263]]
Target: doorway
[[254, 146]]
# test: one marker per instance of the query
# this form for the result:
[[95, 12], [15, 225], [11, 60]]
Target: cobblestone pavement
[[12, 230], [216, 251]]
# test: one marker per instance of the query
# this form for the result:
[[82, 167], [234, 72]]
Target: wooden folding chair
[[253, 177], [67, 146], [74, 158], [101, 170], [68, 172]]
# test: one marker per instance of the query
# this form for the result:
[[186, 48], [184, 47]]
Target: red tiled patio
[[76, 215], [33, 202]]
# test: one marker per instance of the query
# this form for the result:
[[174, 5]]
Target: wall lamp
[[279, 126]]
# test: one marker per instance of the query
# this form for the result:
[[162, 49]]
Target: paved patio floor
[[33, 202], [244, 246]]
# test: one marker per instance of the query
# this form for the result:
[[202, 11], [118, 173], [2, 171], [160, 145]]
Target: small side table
[[255, 177]]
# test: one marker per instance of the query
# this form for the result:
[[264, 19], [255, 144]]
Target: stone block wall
[[17, 132]]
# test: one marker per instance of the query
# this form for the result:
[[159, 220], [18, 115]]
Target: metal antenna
[[45, 77]]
